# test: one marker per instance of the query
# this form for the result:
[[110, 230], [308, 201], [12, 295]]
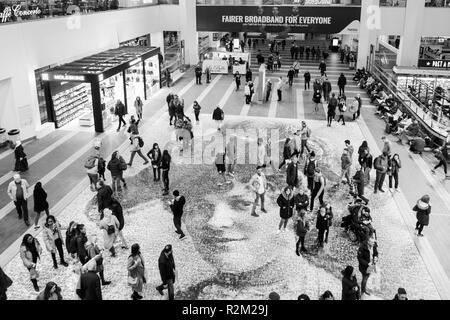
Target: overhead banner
[[294, 19], [436, 64]]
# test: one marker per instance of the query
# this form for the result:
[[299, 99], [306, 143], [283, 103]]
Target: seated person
[[417, 145], [411, 132]]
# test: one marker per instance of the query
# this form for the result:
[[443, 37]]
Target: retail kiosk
[[88, 89]]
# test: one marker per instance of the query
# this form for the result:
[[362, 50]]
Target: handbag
[[132, 281], [111, 229]]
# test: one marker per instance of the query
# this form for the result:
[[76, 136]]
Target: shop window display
[[152, 75], [70, 104]]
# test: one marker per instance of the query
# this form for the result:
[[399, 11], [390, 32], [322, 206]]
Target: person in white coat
[[18, 193], [110, 226]]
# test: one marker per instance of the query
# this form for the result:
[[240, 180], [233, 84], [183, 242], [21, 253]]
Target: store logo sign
[[15, 11], [65, 77], [437, 64]]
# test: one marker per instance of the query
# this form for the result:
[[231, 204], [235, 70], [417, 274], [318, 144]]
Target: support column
[[97, 106], [367, 31], [188, 24], [410, 40]]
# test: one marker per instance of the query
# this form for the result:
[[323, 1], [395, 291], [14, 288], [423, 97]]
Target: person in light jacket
[[53, 240], [136, 148], [136, 272], [30, 252], [110, 226], [18, 193], [247, 93], [40, 203]]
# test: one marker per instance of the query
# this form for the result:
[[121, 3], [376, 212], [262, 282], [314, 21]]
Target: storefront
[[87, 90]]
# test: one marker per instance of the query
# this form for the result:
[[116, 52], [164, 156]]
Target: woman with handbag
[[53, 240], [110, 226], [367, 256], [136, 272], [286, 203], [30, 251]]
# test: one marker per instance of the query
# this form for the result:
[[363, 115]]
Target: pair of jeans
[[304, 144], [169, 286], [139, 152], [177, 224], [379, 181], [300, 243], [156, 174], [291, 81], [394, 176], [307, 83], [247, 99], [196, 113], [59, 247], [314, 194], [198, 79], [365, 277], [121, 120], [22, 208], [255, 203], [116, 182], [330, 118], [442, 163], [320, 236], [342, 90], [346, 173], [93, 179], [165, 178]]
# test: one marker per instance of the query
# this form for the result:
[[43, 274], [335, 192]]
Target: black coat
[[166, 267], [422, 215], [81, 250], [286, 152], [301, 201], [218, 114], [286, 205], [321, 222], [19, 153], [104, 197], [292, 174], [342, 81], [120, 109], [5, 283], [117, 211], [177, 207], [348, 286], [90, 287], [364, 256], [115, 167], [40, 200]]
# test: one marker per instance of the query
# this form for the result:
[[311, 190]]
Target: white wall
[[32, 45]]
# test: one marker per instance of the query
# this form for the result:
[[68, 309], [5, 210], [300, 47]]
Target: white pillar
[[188, 24], [368, 30], [410, 40]]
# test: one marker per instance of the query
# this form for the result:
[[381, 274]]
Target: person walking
[[307, 77], [40, 203], [51, 292], [358, 103], [290, 75], [280, 87], [21, 163], [292, 52], [359, 180], [171, 107], [208, 74], [137, 143], [367, 256], [326, 89], [268, 89], [18, 193], [318, 190], [117, 211], [91, 166], [155, 156], [104, 197], [5, 283], [258, 183], [167, 271], [166, 159], [292, 171], [342, 82], [138, 105], [54, 241], [198, 74], [317, 97], [218, 116], [197, 109], [305, 132], [332, 105], [237, 79], [286, 153], [423, 211], [350, 287], [286, 203], [221, 169], [247, 93], [249, 75], [439, 154], [30, 252], [394, 165], [117, 166], [366, 161], [310, 170], [346, 164], [95, 254], [301, 229], [342, 108], [177, 207], [381, 166], [89, 286], [136, 272], [231, 155], [301, 50], [321, 225], [323, 68], [120, 112]]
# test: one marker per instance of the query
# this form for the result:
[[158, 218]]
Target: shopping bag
[[374, 282]]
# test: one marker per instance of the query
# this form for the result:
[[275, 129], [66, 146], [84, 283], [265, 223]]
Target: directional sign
[[436, 64]]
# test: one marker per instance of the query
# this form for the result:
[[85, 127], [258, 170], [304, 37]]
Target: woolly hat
[[274, 296], [425, 198], [401, 291]]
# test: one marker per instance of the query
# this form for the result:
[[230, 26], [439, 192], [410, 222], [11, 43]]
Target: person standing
[[137, 143], [310, 169], [301, 229], [89, 286], [136, 272], [30, 251], [258, 183], [171, 107], [317, 97], [394, 165], [18, 193], [237, 79], [104, 197], [350, 288], [366, 161], [286, 203], [53, 240], [292, 172], [318, 189], [321, 225], [387, 146], [286, 153], [116, 166], [177, 207], [249, 75], [342, 108], [120, 112], [81, 240], [268, 89], [292, 52], [218, 116], [166, 265], [40, 203], [301, 200], [5, 283], [332, 105], [439, 154], [307, 77], [300, 50], [305, 135], [208, 74], [166, 159], [21, 163], [326, 89], [359, 180], [197, 109], [198, 74], [323, 68], [358, 101], [51, 292], [110, 226], [280, 88], [138, 105], [342, 82], [247, 93], [423, 210], [367, 256], [95, 254], [91, 166], [155, 157], [231, 155], [381, 167], [290, 75]]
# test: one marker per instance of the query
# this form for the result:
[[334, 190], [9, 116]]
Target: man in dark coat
[[177, 205], [89, 286], [120, 112], [322, 68], [171, 107], [359, 179], [198, 74], [166, 265], [292, 171], [381, 166], [104, 197], [260, 58]]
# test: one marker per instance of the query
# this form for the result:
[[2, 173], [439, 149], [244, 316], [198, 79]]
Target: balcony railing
[[277, 2]]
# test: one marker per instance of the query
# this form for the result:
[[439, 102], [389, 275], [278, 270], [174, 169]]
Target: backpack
[[123, 164], [90, 162], [101, 165], [343, 108], [141, 142], [310, 168]]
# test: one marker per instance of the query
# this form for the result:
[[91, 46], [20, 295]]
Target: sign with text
[[436, 64], [294, 19], [17, 11]]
